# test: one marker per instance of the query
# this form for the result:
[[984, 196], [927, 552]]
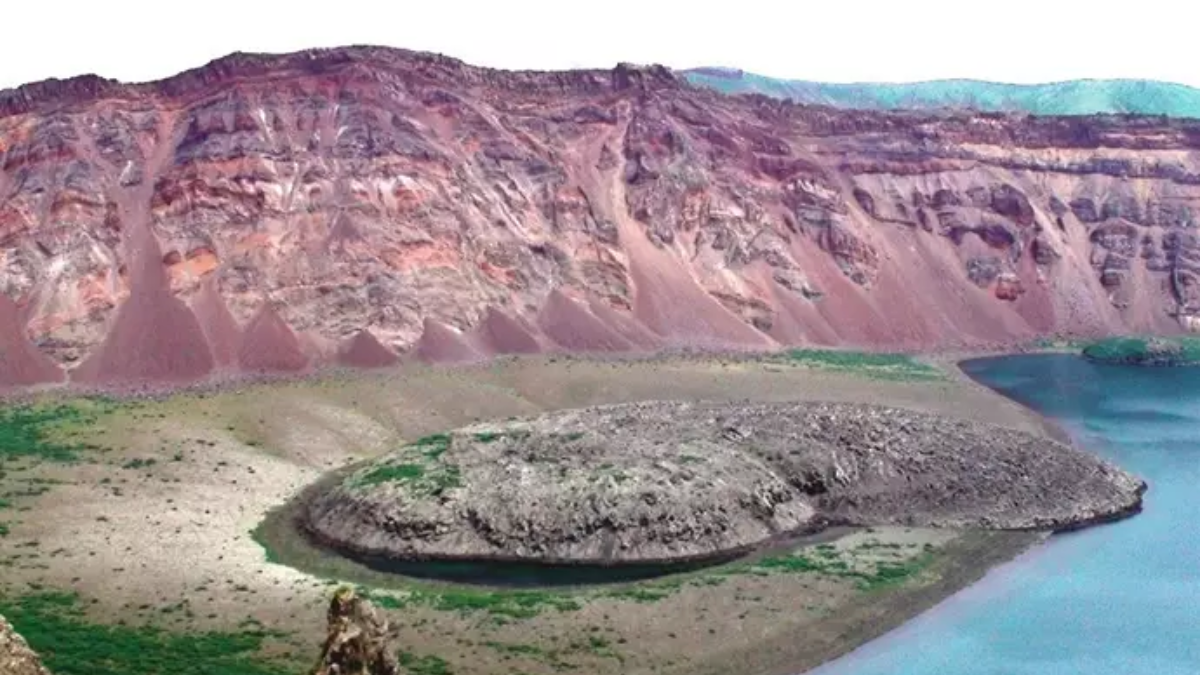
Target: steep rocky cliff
[[269, 208]]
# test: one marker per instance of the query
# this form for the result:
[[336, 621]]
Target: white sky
[[829, 40]]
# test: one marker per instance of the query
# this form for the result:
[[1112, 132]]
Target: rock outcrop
[[670, 482], [358, 640], [411, 192], [16, 658]]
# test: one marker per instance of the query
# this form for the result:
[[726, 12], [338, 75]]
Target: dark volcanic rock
[[983, 271], [1085, 210], [1011, 202], [659, 481]]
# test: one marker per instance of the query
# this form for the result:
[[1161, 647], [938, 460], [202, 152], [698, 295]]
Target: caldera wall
[[383, 188]]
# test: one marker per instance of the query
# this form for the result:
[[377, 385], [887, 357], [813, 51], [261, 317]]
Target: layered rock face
[[673, 481], [593, 210]]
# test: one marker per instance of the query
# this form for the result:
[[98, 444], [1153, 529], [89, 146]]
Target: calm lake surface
[[1121, 599]]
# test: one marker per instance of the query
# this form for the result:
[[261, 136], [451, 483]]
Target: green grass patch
[[506, 604], [4, 530], [423, 665], [647, 592], [258, 534], [516, 648], [418, 467], [55, 626], [867, 575], [880, 365], [393, 473], [493, 436], [433, 446], [42, 431], [512, 604]]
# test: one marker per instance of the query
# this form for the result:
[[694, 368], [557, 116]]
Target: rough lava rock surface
[[16, 658], [370, 187], [358, 639], [674, 481]]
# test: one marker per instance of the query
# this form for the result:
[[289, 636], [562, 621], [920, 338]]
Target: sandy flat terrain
[[165, 513]]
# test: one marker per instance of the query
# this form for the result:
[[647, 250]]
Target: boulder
[[358, 640]]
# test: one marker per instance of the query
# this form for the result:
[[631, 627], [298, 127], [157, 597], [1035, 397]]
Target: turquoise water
[[1121, 599]]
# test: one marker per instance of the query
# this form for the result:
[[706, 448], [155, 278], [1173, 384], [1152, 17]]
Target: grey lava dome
[[664, 481]]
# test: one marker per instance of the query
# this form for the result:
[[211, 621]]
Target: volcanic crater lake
[[1120, 599]]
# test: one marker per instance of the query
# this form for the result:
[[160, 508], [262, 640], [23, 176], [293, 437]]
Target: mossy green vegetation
[[419, 467], [889, 366], [867, 575], [1149, 351], [44, 432], [499, 603], [56, 627]]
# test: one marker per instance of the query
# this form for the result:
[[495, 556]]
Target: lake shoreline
[[255, 447], [963, 567]]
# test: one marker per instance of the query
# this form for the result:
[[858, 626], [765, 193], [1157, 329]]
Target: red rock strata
[[21, 364], [154, 336], [385, 188]]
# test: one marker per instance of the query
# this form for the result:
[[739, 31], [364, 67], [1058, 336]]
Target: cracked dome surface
[[667, 481]]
